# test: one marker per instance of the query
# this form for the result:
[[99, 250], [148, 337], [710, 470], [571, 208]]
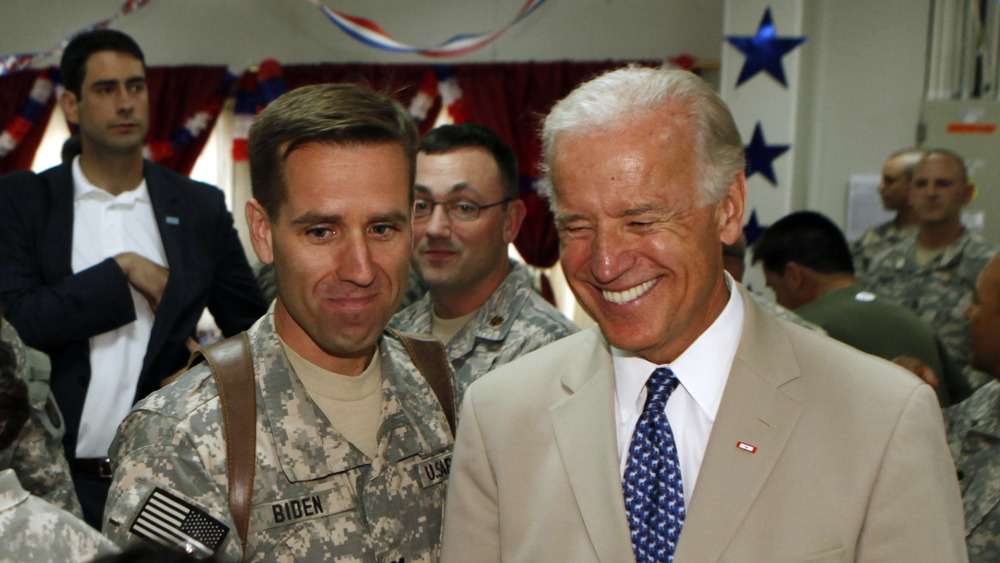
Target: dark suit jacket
[[57, 311], [850, 461]]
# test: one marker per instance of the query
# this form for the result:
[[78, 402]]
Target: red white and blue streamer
[[10, 64], [41, 90], [439, 82], [254, 93], [372, 34], [195, 126]]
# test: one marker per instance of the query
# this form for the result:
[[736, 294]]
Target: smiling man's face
[[641, 251]]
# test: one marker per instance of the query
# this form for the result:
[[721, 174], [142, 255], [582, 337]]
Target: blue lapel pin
[[173, 220]]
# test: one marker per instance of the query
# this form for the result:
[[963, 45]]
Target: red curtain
[[14, 92], [176, 94]]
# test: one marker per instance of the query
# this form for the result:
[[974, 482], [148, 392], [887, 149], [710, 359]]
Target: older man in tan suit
[[689, 425]]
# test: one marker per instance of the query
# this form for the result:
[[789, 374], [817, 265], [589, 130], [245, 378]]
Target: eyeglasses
[[458, 209]]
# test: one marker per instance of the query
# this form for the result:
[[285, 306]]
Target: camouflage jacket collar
[[949, 257], [11, 492], [308, 445], [986, 420], [491, 322]]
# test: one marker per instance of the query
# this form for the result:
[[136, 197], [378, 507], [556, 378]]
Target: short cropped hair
[[950, 154], [620, 95], [471, 135], [807, 238], [333, 114], [910, 157], [13, 397], [73, 66]]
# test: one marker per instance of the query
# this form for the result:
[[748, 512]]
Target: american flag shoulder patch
[[173, 522]]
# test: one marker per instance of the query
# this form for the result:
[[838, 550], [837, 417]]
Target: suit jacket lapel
[[58, 244], [167, 210], [584, 426], [753, 412]]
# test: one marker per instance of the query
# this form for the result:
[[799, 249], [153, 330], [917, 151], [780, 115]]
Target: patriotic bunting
[[194, 126], [371, 34], [40, 92], [254, 93], [10, 64]]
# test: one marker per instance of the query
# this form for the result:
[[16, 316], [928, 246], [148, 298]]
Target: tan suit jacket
[[850, 463]]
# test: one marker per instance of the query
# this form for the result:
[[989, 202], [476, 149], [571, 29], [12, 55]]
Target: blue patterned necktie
[[654, 495]]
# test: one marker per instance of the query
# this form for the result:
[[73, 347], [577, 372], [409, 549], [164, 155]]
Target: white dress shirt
[[702, 369], [105, 226]]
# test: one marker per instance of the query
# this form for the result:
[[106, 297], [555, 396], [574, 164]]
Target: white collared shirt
[[702, 369], [104, 226]]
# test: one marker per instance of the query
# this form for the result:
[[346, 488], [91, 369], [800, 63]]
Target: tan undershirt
[[446, 329], [352, 403], [926, 255]]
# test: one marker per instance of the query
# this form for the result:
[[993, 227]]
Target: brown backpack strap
[[431, 361], [232, 366]]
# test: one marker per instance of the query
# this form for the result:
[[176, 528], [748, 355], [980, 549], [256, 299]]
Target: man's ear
[[516, 213], [260, 231], [794, 275], [70, 106], [729, 211]]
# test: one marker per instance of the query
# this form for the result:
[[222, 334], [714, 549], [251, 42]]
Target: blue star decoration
[[761, 155], [764, 51], [753, 229]]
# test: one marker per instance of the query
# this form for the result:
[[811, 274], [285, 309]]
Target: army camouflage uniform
[[515, 320], [34, 530], [874, 241], [316, 496], [37, 454], [938, 292], [974, 439]]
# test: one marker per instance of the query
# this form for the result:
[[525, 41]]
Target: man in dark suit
[[689, 425], [108, 261]]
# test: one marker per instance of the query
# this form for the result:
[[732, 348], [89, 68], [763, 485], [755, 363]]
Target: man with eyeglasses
[[467, 210]]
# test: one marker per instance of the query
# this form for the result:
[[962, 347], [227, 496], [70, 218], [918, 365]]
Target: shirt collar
[[702, 369], [11, 492], [83, 188]]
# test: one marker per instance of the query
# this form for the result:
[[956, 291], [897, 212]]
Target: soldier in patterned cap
[[468, 210], [894, 189], [933, 271], [30, 528], [37, 454], [352, 447], [974, 424]]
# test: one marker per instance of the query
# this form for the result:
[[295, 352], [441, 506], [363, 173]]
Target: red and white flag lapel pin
[[746, 447]]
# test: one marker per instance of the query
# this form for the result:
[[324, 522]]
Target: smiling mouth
[[631, 294]]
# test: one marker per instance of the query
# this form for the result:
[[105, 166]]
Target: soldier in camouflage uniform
[[37, 454], [933, 271], [30, 528], [514, 321], [974, 424], [382, 509], [894, 189], [467, 212], [332, 174]]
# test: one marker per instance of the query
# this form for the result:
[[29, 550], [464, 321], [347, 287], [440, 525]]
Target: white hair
[[620, 95]]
